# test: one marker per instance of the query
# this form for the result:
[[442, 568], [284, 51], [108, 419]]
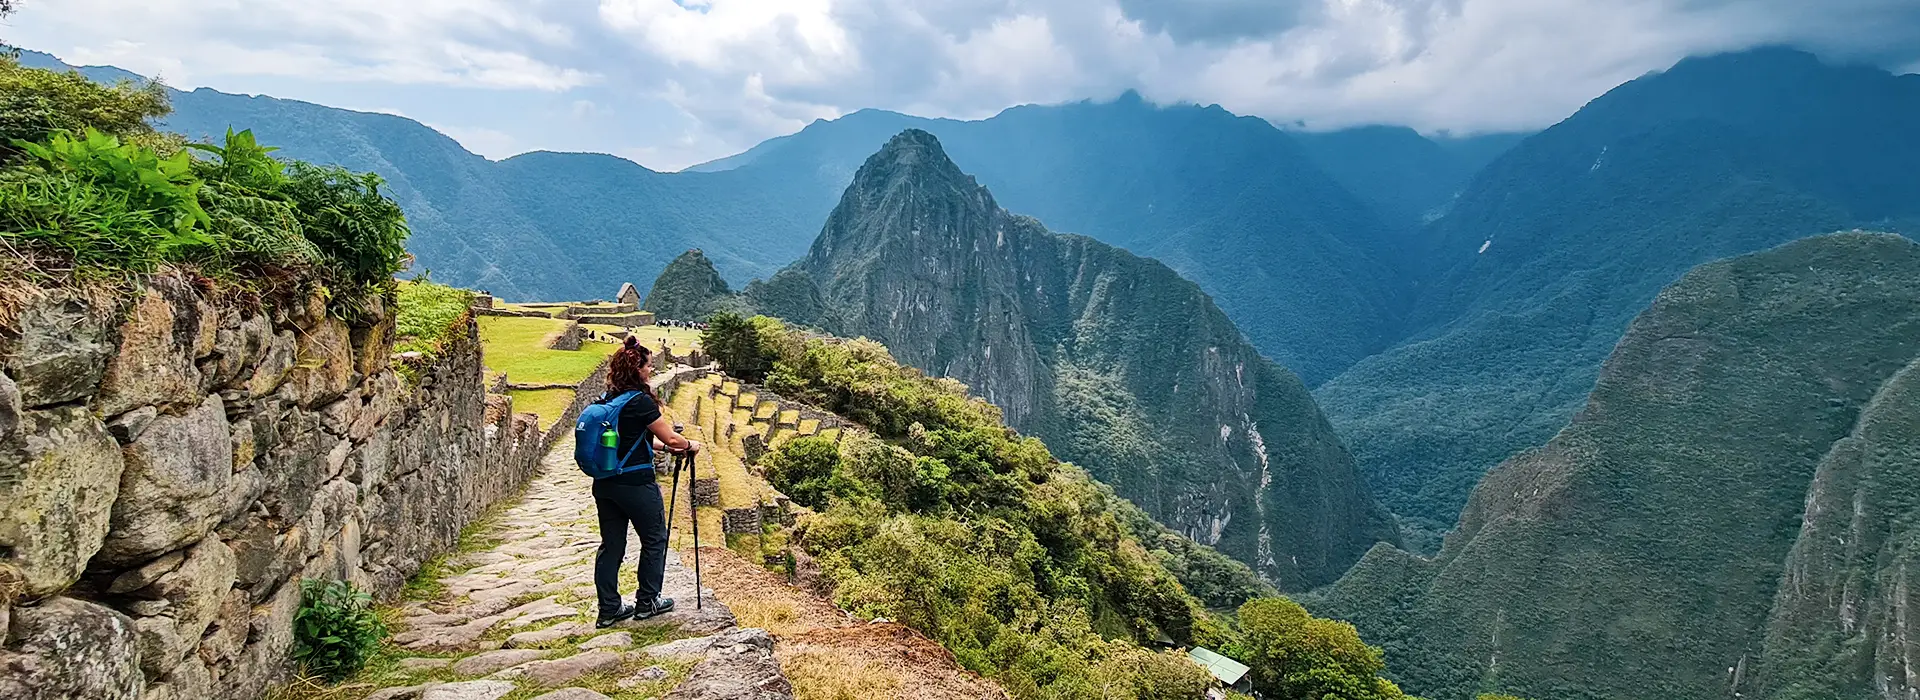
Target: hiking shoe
[[661, 606], [605, 620]]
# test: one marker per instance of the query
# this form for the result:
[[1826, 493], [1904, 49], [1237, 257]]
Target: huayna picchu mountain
[[1731, 514], [1117, 362]]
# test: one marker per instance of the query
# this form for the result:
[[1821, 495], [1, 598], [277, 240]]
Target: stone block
[[706, 492], [10, 407], [60, 349], [69, 648], [741, 521], [193, 594], [154, 363], [276, 359], [568, 339], [57, 491], [172, 490], [323, 368], [240, 340]]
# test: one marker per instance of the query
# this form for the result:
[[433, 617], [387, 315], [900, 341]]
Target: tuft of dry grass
[[778, 617], [818, 675]]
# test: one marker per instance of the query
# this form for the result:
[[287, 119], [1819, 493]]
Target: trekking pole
[[673, 495], [693, 508]]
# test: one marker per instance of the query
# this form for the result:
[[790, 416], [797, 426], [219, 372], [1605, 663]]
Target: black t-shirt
[[634, 419]]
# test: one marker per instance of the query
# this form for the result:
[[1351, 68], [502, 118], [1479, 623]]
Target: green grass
[[680, 339], [516, 346], [548, 404], [427, 314]]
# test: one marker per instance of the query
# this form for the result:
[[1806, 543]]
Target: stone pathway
[[516, 619]]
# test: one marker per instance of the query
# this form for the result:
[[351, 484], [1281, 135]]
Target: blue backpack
[[596, 439]]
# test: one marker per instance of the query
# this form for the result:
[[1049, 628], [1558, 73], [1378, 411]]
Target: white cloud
[[690, 80], [480, 43], [492, 143], [755, 68]]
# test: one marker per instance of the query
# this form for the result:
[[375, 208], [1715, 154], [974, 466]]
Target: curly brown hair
[[624, 369]]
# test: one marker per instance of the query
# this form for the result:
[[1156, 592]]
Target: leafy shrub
[[1292, 654], [362, 233], [802, 467], [35, 103], [89, 189], [735, 342], [104, 204], [1024, 567], [336, 630]]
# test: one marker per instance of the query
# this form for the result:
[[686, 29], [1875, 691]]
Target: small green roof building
[[1230, 673]]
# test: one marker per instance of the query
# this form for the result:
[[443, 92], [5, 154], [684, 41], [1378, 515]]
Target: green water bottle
[[610, 439]]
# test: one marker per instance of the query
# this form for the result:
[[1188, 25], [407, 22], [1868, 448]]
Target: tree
[[736, 343], [1293, 654], [35, 103], [802, 468]]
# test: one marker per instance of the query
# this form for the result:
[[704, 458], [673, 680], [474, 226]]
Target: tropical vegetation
[[90, 192], [945, 520]]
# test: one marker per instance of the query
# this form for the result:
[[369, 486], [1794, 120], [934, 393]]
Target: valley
[[1020, 406]]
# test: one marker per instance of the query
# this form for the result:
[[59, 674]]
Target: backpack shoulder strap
[[619, 404]]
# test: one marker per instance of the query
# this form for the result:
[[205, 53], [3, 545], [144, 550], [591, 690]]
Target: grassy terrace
[[707, 420], [680, 339], [517, 346]]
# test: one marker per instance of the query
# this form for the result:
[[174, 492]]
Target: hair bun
[[632, 342]]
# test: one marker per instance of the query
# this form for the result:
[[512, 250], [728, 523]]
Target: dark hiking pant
[[622, 500]]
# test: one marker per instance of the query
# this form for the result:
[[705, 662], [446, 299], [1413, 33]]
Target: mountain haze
[[1113, 359], [1639, 553], [1267, 222], [1547, 255], [1306, 268], [537, 226]]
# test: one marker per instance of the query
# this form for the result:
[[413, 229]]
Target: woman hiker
[[633, 497]]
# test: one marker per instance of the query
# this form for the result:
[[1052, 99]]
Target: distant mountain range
[[1299, 237], [1730, 514], [1113, 359], [1534, 273]]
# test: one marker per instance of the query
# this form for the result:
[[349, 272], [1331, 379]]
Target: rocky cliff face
[[1726, 517], [1843, 613], [1117, 362], [173, 467]]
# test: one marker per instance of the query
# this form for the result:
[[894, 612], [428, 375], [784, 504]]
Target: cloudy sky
[[669, 83]]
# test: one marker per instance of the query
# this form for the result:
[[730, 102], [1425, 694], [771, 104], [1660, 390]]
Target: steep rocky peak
[[914, 163], [908, 196]]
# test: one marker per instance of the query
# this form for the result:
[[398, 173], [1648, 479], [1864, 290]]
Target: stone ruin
[[175, 467]]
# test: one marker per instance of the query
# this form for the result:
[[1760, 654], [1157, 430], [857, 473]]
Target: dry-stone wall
[[568, 339], [172, 468]]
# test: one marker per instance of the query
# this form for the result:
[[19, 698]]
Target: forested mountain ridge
[[1685, 523], [1310, 271], [1255, 215], [1118, 363], [1543, 260], [538, 226]]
